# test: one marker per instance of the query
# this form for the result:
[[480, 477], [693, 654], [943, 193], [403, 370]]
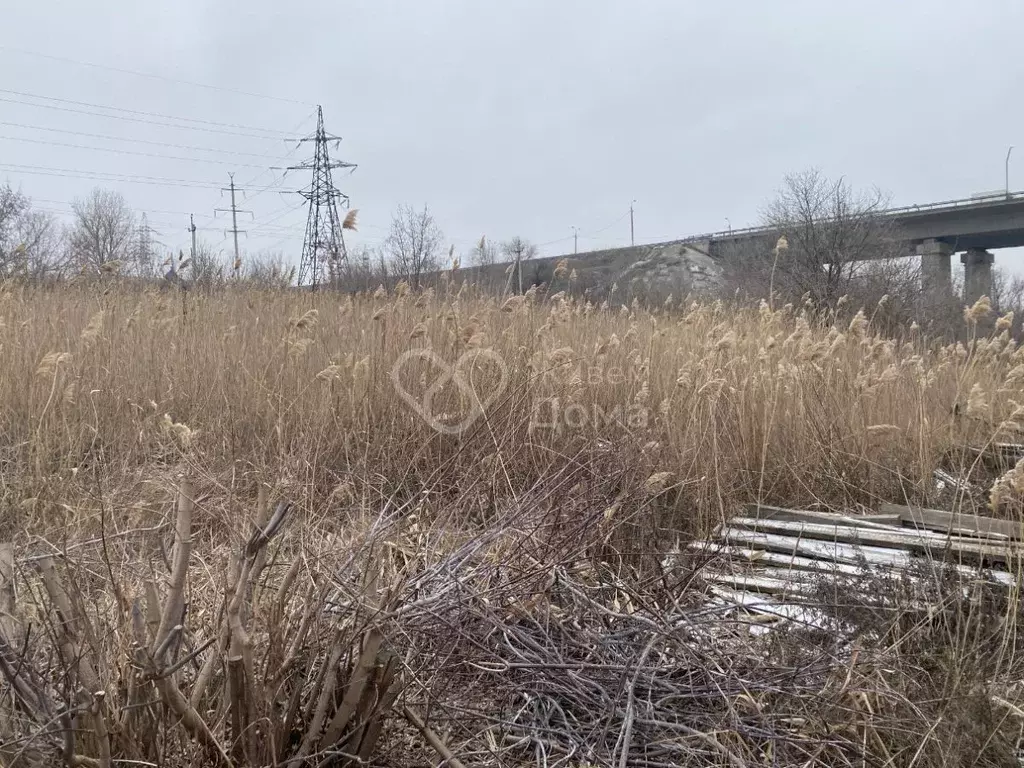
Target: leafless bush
[[265, 271], [207, 271], [364, 270]]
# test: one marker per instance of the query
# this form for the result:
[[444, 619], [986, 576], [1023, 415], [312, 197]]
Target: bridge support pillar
[[936, 270], [977, 274]]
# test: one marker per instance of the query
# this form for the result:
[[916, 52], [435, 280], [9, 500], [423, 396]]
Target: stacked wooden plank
[[772, 563], [1009, 453]]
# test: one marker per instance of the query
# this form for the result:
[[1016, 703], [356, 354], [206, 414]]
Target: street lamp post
[[728, 224], [1008, 170]]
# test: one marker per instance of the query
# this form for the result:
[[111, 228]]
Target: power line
[[143, 141], [275, 184], [40, 170], [269, 225], [141, 120], [274, 133], [151, 75], [290, 154], [608, 226], [590, 236], [148, 210], [277, 216], [276, 243], [130, 152], [557, 240], [272, 232], [64, 212], [167, 218]]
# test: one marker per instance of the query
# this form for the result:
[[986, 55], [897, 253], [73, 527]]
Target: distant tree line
[[829, 249], [414, 251], [105, 236]]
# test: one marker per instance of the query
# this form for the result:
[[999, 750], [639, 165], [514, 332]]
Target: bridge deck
[[991, 221]]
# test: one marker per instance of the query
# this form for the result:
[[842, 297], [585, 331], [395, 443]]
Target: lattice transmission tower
[[323, 250]]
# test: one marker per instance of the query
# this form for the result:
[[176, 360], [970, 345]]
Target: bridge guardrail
[[926, 207]]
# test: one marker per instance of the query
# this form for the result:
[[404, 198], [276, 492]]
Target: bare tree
[[1008, 295], [103, 232], [30, 242], [12, 205], [484, 253], [41, 240], [835, 242], [518, 249], [414, 243]]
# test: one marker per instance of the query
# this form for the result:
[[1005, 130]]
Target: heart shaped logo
[[472, 405]]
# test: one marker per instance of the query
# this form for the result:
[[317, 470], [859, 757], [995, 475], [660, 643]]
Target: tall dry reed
[[735, 405], [465, 471]]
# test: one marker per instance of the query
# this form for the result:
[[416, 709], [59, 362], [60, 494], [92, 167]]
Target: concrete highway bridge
[[973, 227]]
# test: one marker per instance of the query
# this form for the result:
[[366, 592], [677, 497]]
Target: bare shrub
[[268, 271]]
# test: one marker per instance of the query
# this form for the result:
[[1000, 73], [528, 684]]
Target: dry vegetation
[[493, 596]]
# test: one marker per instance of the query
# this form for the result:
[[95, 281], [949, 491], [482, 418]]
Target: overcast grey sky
[[520, 117]]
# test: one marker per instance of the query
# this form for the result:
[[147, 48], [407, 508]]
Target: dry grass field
[[453, 470], [297, 390]]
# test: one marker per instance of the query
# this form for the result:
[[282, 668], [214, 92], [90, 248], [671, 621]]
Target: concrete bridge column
[[977, 274], [936, 271]]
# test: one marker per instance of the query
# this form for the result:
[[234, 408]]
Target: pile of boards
[[770, 564]]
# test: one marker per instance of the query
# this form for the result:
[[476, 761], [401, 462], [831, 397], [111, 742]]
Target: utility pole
[[632, 239], [323, 247], [575, 240], [192, 229], [234, 213]]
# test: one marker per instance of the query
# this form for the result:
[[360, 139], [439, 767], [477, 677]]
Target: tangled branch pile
[[614, 667], [531, 639]]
